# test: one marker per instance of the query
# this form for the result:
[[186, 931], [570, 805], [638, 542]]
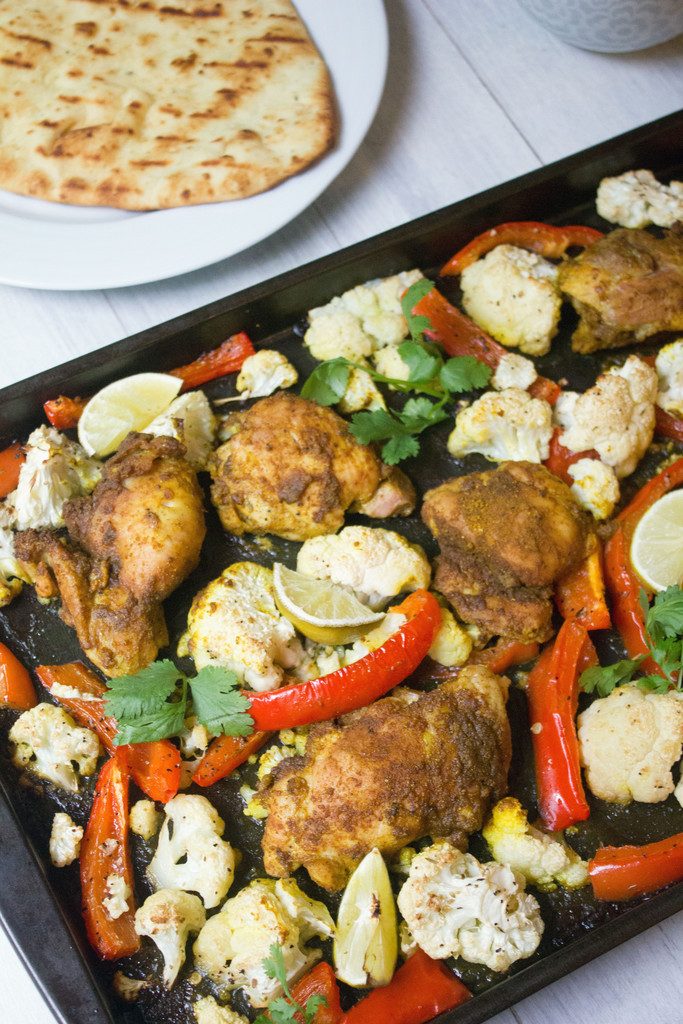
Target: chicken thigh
[[408, 766]]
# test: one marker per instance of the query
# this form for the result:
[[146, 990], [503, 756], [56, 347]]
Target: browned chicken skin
[[506, 535], [406, 767], [625, 287], [291, 468]]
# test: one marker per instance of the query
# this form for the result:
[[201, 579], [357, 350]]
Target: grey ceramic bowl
[[609, 26]]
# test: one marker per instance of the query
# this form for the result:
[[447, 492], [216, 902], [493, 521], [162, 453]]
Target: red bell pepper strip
[[420, 990], [105, 851], [547, 239], [11, 461], [552, 692], [580, 594], [624, 872], [225, 754], [561, 458], [16, 689], [460, 336], [227, 358], [356, 685], [667, 425], [319, 982], [154, 767], [64, 413], [504, 655]]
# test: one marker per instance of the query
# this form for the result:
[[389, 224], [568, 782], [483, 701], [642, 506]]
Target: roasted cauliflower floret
[[513, 371], [389, 362], [207, 1011], [361, 393], [452, 644], [56, 470], [616, 417], [504, 426], [168, 917], [235, 622], [12, 573], [669, 365], [144, 819], [512, 294], [190, 420], [190, 854], [233, 944], [377, 564], [48, 743], [629, 742], [455, 906], [65, 840], [543, 858], [595, 487], [337, 333], [117, 900], [264, 373], [636, 199]]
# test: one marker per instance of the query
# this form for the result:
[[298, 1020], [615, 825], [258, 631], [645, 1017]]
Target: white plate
[[50, 245]]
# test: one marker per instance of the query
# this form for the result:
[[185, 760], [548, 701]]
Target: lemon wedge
[[366, 940], [321, 610], [657, 544], [125, 405]]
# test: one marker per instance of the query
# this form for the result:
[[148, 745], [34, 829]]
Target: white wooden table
[[477, 93]]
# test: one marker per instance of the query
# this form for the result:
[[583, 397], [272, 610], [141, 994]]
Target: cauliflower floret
[[455, 906], [616, 417], [118, 894], [543, 858], [207, 1011], [636, 199], [361, 393], [168, 917], [233, 944], [12, 573], [65, 840], [144, 819], [48, 742], [629, 742], [128, 989], [512, 294], [56, 470], [513, 371], [338, 333], [194, 739], [265, 372], [389, 362], [235, 622], [504, 425], [377, 564], [452, 645], [669, 365], [190, 420], [595, 487], [190, 853]]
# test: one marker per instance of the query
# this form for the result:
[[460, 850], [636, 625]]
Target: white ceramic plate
[[54, 246]]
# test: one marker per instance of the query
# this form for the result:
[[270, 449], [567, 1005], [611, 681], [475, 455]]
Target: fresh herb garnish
[[154, 703], [428, 375], [664, 636], [285, 1009]]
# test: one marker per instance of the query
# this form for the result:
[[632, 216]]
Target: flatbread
[[143, 104]]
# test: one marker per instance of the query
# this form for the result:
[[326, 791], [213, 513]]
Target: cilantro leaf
[[605, 679], [168, 719], [665, 617], [274, 966], [417, 418], [403, 446], [218, 704], [418, 408], [417, 325], [286, 1010], [464, 373], [313, 1004], [133, 696], [375, 425], [421, 364], [328, 382]]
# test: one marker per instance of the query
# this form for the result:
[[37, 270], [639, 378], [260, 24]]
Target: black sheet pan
[[39, 906]]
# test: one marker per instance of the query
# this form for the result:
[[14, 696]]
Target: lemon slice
[[366, 940], [128, 404], [657, 544], [321, 610]]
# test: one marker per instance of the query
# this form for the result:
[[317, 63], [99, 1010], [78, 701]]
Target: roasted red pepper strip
[[11, 461], [504, 655], [16, 689], [154, 767], [319, 982], [105, 851], [356, 685], [624, 872], [580, 594], [547, 239], [227, 358], [225, 754], [552, 692], [420, 990], [561, 458], [64, 413], [460, 336], [667, 425]]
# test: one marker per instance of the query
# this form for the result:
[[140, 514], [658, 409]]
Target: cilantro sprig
[[285, 1009], [154, 703], [429, 376], [664, 636]]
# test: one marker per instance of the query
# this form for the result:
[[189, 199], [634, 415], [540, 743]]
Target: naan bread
[[142, 104]]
